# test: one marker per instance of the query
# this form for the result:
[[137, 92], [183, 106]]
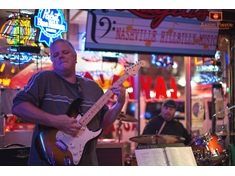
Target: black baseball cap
[[169, 103]]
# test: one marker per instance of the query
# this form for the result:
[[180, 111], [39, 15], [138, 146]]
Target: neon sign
[[51, 23], [5, 82], [161, 60], [210, 68], [18, 31], [206, 79], [19, 59]]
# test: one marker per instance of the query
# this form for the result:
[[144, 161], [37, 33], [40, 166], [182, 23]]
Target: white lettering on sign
[[209, 68], [42, 23], [56, 26], [52, 21], [50, 16], [51, 30]]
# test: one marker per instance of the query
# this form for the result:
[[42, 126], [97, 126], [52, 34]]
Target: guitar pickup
[[61, 145]]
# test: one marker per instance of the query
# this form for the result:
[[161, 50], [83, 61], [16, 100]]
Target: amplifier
[[110, 154], [14, 156], [107, 154], [23, 137]]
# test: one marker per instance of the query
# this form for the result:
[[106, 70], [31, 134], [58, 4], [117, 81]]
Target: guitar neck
[[87, 117]]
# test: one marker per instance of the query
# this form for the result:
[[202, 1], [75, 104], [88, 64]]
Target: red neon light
[[145, 82], [160, 87], [145, 86], [174, 87]]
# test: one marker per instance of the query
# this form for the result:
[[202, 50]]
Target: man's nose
[[61, 55]]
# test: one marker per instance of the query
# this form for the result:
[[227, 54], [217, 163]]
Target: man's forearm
[[111, 115], [30, 113]]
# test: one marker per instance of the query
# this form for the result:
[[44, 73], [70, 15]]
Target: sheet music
[[169, 156], [151, 157], [180, 156]]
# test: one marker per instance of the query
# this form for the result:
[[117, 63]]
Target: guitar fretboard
[[87, 117]]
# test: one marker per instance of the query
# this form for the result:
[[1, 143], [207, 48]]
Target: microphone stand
[[119, 130], [230, 116]]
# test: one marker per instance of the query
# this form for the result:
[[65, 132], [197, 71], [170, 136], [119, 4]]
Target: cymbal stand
[[223, 137], [230, 116], [119, 129]]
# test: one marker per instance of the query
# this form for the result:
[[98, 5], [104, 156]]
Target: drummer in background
[[164, 123]]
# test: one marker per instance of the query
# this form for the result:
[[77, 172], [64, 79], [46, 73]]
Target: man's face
[[167, 113], [63, 57]]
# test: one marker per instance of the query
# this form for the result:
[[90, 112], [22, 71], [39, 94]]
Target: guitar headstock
[[133, 69]]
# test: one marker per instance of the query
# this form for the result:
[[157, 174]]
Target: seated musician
[[164, 123]]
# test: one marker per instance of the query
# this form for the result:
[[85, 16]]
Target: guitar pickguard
[[76, 145]]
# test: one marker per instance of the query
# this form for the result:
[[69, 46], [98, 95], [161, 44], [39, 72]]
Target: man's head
[[64, 41], [63, 56], [168, 109]]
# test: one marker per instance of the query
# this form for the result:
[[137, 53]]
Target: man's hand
[[120, 91], [68, 125]]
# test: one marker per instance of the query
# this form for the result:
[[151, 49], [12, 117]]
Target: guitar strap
[[79, 89], [79, 93]]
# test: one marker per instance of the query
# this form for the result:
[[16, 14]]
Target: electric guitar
[[59, 148]]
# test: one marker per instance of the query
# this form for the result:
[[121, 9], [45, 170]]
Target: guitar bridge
[[61, 145]]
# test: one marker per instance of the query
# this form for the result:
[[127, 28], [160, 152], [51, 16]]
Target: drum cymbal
[[224, 133], [126, 118], [157, 139]]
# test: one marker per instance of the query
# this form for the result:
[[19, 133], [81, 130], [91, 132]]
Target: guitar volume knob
[[67, 161]]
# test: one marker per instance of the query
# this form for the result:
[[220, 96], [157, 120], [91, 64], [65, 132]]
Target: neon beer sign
[[18, 30], [51, 23], [19, 59]]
